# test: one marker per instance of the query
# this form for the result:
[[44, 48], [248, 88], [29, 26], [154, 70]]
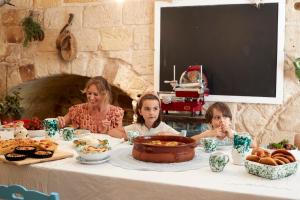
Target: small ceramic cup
[[217, 161], [131, 135], [68, 133], [209, 144], [51, 126], [241, 147]]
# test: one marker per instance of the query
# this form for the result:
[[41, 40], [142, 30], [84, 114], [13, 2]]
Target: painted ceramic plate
[[87, 162]]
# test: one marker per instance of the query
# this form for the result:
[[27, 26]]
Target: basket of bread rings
[[275, 165]]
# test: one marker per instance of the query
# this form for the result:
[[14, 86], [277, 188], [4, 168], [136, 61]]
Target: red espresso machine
[[188, 94]]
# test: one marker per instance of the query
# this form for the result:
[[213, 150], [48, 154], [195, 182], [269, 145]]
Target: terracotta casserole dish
[[163, 149]]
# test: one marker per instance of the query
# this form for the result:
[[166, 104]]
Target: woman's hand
[[61, 121], [106, 124]]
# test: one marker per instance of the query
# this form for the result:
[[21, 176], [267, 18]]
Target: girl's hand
[[226, 126], [218, 133]]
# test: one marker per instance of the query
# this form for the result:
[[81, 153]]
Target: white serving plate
[[94, 156], [84, 161]]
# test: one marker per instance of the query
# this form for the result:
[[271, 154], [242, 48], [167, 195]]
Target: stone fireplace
[[52, 96]]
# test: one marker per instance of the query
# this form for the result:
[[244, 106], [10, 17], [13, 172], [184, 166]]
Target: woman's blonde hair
[[102, 86]]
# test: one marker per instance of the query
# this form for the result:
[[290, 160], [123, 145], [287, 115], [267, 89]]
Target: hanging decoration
[[3, 2], [66, 42], [32, 29]]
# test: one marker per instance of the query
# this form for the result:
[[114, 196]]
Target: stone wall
[[116, 40]]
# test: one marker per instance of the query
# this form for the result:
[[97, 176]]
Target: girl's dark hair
[[102, 86], [222, 107], [139, 106]]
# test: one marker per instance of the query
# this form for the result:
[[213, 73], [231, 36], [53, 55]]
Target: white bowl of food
[[91, 153]]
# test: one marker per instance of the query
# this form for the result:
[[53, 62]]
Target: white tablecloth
[[73, 181]]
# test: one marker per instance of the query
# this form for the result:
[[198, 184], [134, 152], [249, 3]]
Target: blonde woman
[[97, 114]]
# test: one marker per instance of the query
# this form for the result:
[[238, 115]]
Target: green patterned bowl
[[271, 172]]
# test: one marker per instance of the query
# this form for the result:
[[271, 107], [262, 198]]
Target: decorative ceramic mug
[[51, 126], [241, 146], [217, 161], [68, 133], [209, 144], [131, 135]]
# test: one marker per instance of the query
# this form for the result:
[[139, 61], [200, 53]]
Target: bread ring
[[285, 160], [279, 162], [291, 158], [268, 161], [267, 154], [253, 158], [259, 152], [286, 153]]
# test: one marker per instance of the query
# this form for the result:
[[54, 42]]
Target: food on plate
[[284, 154], [260, 152], [91, 153], [267, 161], [48, 145], [91, 149], [164, 143], [284, 144], [8, 146], [278, 157], [88, 141], [15, 156], [42, 154], [27, 150], [254, 158]]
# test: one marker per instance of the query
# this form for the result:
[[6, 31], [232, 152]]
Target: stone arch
[[53, 95]]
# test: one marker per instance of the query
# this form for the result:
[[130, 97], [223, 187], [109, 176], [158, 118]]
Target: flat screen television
[[240, 45]]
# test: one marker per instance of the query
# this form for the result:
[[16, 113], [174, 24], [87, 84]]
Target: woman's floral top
[[81, 118]]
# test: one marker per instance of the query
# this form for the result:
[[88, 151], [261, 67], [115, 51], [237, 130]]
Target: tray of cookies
[[275, 165]]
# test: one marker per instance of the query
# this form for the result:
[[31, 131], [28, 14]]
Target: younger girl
[[219, 117], [148, 119]]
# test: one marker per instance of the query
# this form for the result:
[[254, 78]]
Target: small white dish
[[94, 156], [95, 162], [36, 133]]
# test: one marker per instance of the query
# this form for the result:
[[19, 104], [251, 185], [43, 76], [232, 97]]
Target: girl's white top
[[144, 131]]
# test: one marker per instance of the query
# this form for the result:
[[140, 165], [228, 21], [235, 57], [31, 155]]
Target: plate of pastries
[[20, 149], [278, 164]]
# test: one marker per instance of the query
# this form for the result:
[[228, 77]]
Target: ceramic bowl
[[143, 151], [94, 156], [271, 172]]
